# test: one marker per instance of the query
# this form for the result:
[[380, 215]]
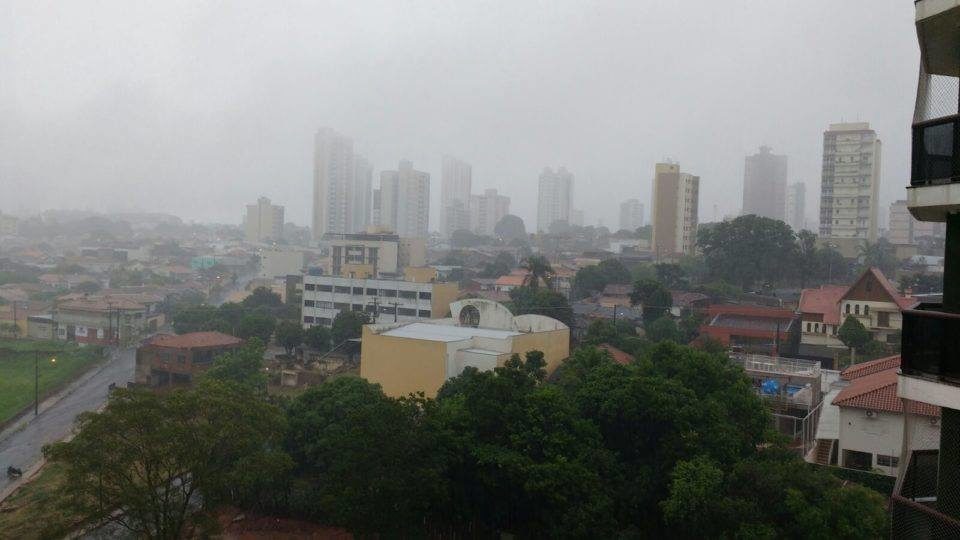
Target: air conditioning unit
[[871, 414]]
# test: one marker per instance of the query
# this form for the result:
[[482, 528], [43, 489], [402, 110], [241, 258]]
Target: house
[[166, 360], [99, 320], [421, 356], [862, 423], [750, 328], [686, 300], [872, 300], [511, 281]]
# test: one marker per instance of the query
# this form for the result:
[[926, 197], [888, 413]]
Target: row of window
[[359, 291], [818, 328]]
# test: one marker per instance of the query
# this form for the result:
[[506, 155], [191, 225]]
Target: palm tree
[[880, 254], [538, 269]]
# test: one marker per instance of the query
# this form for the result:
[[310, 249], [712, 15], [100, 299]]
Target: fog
[[197, 108]]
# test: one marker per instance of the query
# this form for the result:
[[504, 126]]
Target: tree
[[510, 228], [663, 329], [538, 271], [854, 335], [524, 300], [672, 276], [654, 297], [144, 461], [605, 331], [262, 297], [256, 325], [193, 318], [370, 464], [317, 338], [921, 283], [463, 238], [347, 325], [880, 254], [289, 335], [749, 249], [242, 366], [806, 256], [501, 265]]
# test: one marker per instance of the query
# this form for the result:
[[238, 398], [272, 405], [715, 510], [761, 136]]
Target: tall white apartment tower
[[333, 171], [676, 199], [850, 184], [263, 221], [797, 206], [405, 201], [631, 214], [554, 198], [486, 210], [456, 177], [361, 195]]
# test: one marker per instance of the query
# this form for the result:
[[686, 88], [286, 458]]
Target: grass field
[[17, 370], [37, 509]]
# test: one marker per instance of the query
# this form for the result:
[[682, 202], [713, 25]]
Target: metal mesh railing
[[937, 97]]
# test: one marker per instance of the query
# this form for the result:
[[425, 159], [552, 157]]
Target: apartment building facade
[[631, 215], [676, 199], [765, 184], [263, 222], [554, 198], [405, 201]]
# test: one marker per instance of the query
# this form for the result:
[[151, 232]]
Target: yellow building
[[420, 356]]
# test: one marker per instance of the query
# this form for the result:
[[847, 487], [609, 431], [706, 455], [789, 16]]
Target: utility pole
[[395, 304], [615, 332]]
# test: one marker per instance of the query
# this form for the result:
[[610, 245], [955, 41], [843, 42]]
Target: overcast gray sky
[[196, 108]]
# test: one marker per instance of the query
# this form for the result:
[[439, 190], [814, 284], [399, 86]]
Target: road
[[21, 445]]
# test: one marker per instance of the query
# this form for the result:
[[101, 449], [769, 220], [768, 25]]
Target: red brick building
[[751, 328], [168, 360]]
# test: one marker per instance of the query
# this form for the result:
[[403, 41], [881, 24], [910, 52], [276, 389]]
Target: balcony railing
[[931, 339], [936, 157], [913, 506]]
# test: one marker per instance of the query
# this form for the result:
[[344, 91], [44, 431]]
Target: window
[[408, 294], [866, 309], [425, 295], [341, 306], [324, 321], [356, 307], [407, 312], [309, 286], [357, 291], [308, 303], [325, 288], [823, 329], [808, 327], [816, 327], [390, 293], [887, 461], [371, 292], [425, 313], [856, 309], [883, 319], [341, 289], [847, 309]]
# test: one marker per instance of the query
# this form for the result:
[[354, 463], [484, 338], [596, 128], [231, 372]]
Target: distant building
[[8, 225], [904, 229], [421, 356], [765, 184], [676, 198], [166, 360], [797, 206], [487, 210], [405, 201], [576, 217], [631, 214], [263, 222], [375, 254], [280, 262], [456, 178], [102, 320], [333, 174], [849, 188], [361, 195], [554, 198], [758, 329]]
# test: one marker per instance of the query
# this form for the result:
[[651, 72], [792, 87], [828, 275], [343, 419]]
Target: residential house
[[166, 360], [750, 328]]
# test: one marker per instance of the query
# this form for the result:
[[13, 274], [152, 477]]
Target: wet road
[[21, 445]]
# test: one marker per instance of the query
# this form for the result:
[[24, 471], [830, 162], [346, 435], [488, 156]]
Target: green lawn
[[38, 508], [17, 370]]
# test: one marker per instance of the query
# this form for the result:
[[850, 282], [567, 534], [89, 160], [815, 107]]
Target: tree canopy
[[524, 300], [749, 249], [509, 228], [655, 299]]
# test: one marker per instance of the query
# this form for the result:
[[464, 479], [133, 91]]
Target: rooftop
[[878, 392], [823, 301], [193, 339], [868, 368], [445, 332]]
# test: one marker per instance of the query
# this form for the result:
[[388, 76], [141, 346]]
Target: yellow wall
[[443, 295], [403, 365], [357, 271], [555, 346], [419, 274]]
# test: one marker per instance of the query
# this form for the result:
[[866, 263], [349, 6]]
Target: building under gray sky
[[765, 184]]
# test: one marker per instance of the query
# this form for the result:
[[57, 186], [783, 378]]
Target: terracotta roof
[[868, 368], [686, 298], [903, 302], [824, 301], [512, 280], [193, 339], [878, 392], [619, 356]]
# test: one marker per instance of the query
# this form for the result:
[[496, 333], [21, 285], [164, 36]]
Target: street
[[21, 446]]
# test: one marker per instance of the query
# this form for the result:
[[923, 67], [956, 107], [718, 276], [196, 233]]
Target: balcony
[[913, 506], [930, 365]]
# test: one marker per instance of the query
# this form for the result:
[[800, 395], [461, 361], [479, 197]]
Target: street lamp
[[36, 381]]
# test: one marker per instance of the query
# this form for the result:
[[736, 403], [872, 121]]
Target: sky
[[197, 108]]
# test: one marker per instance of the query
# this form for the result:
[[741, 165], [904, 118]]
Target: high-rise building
[[676, 198], [904, 229], [333, 170], [376, 218], [263, 221], [361, 195], [765, 184], [456, 178], [850, 186], [486, 210], [405, 201], [554, 198], [797, 206], [576, 217], [631, 214]]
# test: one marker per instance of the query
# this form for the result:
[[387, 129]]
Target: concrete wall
[[401, 365], [555, 346], [280, 263], [443, 295], [882, 434]]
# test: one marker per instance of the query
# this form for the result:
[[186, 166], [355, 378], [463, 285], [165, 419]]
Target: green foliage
[[256, 325], [501, 265], [605, 331], [318, 338], [672, 276], [662, 329], [749, 249], [539, 271], [289, 335], [921, 283], [242, 366], [655, 299], [262, 297], [347, 325], [853, 334], [880, 254], [524, 300], [510, 228], [689, 326], [645, 232], [153, 455], [592, 279]]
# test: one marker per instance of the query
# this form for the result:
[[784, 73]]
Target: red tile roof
[[878, 392], [619, 356], [511, 280], [194, 339], [824, 301], [870, 367]]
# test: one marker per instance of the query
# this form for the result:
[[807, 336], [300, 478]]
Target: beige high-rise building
[[333, 173], [765, 184], [631, 215], [360, 197], [263, 221], [456, 180], [850, 185], [676, 198], [554, 198], [486, 210], [405, 201], [904, 229]]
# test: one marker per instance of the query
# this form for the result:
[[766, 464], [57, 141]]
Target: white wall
[[882, 434]]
